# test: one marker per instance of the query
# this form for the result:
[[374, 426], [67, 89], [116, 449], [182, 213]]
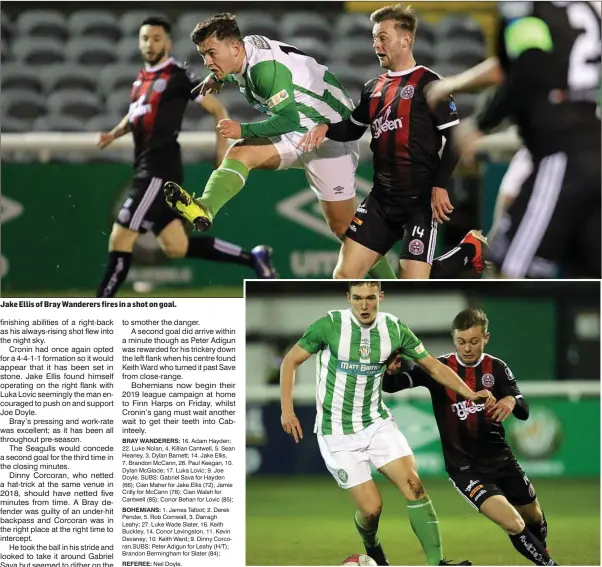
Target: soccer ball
[[358, 559]]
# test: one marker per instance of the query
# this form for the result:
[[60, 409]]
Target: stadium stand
[[74, 72]]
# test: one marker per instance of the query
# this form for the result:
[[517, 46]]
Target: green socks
[[224, 184], [382, 270], [367, 533], [425, 524]]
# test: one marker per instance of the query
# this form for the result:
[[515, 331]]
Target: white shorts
[[348, 457], [519, 169], [330, 169]]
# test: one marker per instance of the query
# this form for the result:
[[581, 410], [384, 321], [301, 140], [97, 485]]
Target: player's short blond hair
[[403, 15]]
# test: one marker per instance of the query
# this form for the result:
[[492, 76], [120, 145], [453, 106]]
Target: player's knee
[[344, 273], [176, 249], [372, 511], [532, 513], [338, 226], [122, 239], [513, 525], [414, 487], [244, 154]]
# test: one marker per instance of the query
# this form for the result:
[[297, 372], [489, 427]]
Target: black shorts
[[144, 207], [378, 227], [553, 226], [510, 480]]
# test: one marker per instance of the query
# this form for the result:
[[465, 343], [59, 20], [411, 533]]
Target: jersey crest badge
[[160, 85], [416, 247], [407, 92], [488, 380], [365, 349]]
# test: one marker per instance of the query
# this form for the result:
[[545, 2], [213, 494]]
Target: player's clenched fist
[[291, 425], [230, 129]]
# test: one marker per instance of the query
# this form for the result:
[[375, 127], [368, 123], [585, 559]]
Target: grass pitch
[[214, 291], [309, 521]]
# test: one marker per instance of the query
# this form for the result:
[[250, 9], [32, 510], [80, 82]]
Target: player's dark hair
[[470, 318], [158, 21], [223, 25], [403, 15], [373, 283]]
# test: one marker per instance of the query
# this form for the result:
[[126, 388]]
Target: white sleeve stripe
[[356, 122], [409, 378], [518, 396], [448, 124]]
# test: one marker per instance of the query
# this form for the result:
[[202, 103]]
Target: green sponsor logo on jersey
[[347, 367]]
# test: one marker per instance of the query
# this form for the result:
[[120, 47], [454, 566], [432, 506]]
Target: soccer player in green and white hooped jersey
[[296, 92], [353, 424]]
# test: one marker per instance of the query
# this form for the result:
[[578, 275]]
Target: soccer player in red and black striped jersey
[[478, 459], [409, 196], [158, 100]]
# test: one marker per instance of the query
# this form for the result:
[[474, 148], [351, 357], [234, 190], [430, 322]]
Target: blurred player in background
[[158, 101], [480, 463], [296, 92], [354, 426], [409, 196], [548, 57], [519, 170]]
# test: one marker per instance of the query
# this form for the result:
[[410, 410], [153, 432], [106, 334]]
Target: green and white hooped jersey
[[350, 366], [275, 71]]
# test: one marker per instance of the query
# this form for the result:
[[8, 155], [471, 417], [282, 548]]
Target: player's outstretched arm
[[401, 374], [447, 377], [105, 138], [485, 74], [293, 359], [274, 83]]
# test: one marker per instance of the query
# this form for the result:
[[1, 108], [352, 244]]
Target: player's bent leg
[[535, 520], [499, 510], [175, 243], [369, 507], [351, 471], [338, 215], [121, 244], [414, 270], [423, 518], [122, 239], [468, 253], [355, 260], [173, 240], [418, 243], [224, 183]]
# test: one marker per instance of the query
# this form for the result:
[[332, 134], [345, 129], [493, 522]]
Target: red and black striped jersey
[[406, 135], [157, 103], [469, 438]]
